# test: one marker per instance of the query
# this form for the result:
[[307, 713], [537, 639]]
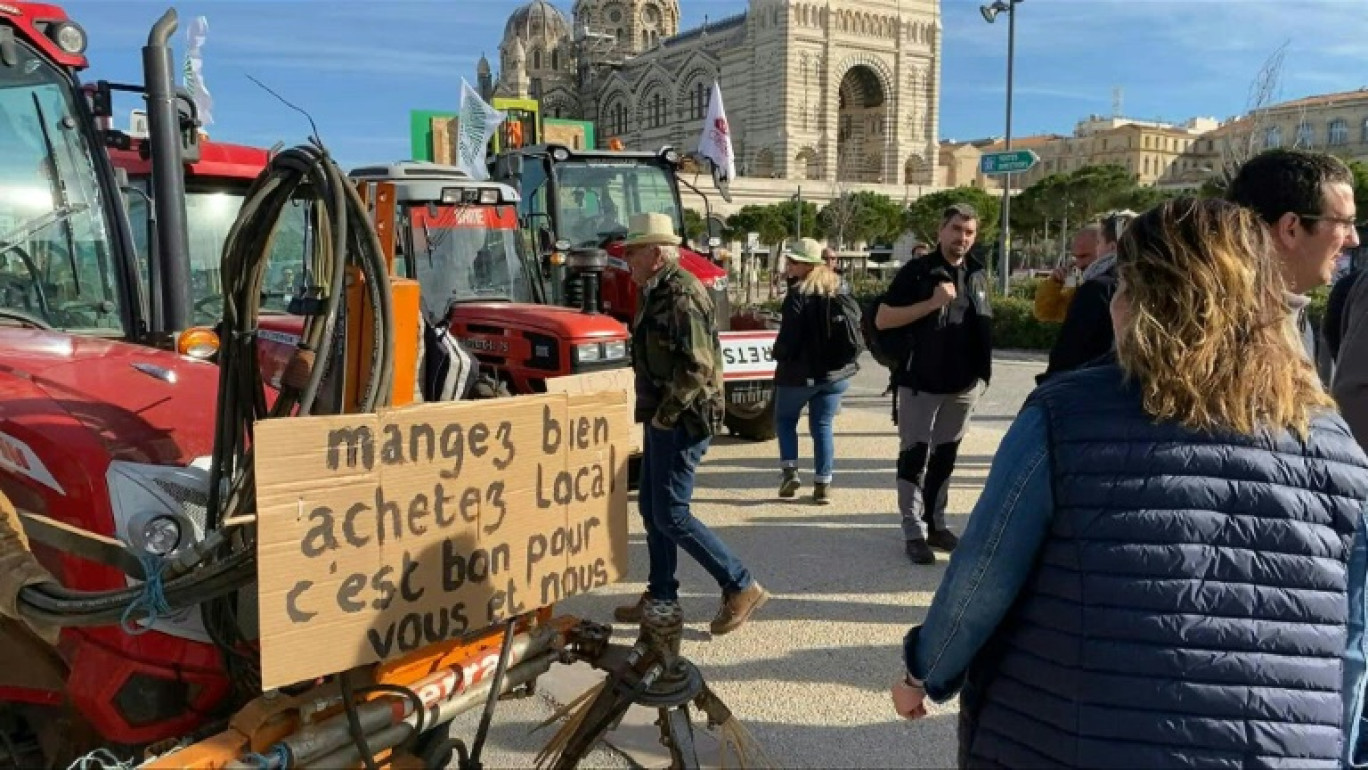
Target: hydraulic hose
[[225, 561]]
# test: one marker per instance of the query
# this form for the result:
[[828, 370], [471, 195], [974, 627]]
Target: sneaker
[[821, 493], [788, 486], [942, 539], [632, 613], [919, 552], [737, 608]]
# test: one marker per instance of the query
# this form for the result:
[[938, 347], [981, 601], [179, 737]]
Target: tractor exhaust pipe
[[172, 268], [585, 282]]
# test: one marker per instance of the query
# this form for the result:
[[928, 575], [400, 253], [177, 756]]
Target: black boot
[[936, 494]]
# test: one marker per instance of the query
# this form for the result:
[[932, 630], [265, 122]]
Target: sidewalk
[[809, 676]]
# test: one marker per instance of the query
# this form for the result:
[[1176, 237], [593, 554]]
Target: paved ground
[[809, 676]]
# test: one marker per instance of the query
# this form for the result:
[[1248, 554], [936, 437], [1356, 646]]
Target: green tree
[[923, 217], [749, 219], [786, 214], [695, 226], [862, 216], [1360, 170]]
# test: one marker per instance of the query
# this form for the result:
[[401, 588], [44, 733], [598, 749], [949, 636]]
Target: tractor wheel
[[752, 425]]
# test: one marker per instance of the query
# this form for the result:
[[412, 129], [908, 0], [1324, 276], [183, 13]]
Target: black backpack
[[890, 347], [840, 339]]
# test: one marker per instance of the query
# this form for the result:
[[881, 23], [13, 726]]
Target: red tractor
[[573, 199], [460, 239], [471, 264], [103, 425]]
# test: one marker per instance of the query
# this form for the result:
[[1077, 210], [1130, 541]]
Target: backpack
[[890, 347], [840, 339]]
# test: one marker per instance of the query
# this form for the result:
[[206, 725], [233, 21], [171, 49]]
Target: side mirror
[[102, 100]]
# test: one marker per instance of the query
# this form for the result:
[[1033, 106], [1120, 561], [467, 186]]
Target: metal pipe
[[392, 735], [329, 735], [168, 176], [1006, 238]]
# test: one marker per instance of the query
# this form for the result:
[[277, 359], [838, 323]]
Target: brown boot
[[632, 613], [737, 608]]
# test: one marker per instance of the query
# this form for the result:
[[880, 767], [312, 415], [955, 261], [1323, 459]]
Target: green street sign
[[1009, 162]]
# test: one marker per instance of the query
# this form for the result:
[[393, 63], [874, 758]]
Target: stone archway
[[863, 110]]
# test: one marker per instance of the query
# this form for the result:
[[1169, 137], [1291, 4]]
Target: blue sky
[[359, 67]]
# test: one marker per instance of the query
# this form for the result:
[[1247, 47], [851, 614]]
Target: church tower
[[636, 25]]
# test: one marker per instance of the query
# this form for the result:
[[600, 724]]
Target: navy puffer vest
[[1188, 607]]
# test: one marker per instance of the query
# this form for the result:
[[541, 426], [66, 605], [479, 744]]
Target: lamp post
[[990, 14]]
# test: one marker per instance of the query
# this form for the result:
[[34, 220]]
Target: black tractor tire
[[751, 425]]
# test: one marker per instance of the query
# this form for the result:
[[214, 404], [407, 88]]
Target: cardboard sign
[[380, 534], [602, 382]]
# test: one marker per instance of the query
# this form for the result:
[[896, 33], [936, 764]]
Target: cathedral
[[833, 90]]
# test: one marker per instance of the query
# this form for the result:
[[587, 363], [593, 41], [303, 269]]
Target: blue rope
[[277, 758], [152, 600]]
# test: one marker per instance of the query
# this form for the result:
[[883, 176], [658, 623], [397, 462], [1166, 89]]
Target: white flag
[[716, 144], [194, 69], [478, 122]]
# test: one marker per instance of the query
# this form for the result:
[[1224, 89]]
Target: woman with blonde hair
[[1158, 572], [809, 372]]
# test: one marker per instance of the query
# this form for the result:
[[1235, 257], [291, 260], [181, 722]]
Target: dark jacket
[[1332, 325], [952, 347], [1087, 331], [1188, 606], [677, 355], [797, 361]]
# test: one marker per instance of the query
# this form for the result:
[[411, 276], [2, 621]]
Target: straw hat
[[651, 230], [807, 251]]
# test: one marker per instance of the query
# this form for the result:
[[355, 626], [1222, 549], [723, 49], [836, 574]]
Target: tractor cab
[[460, 239]]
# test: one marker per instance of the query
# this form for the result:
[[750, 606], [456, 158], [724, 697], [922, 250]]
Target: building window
[[1364, 138], [1338, 132], [1306, 136], [536, 59], [617, 119], [555, 59], [1272, 137], [698, 101], [655, 110]]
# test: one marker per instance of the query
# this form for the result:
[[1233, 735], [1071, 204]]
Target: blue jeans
[[822, 402], [668, 462]]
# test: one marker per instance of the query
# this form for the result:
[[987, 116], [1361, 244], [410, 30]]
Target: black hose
[[215, 576], [354, 721]]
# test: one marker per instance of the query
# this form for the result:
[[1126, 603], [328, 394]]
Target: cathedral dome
[[538, 20]]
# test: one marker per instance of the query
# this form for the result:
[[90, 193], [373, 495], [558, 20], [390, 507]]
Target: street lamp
[[990, 14]]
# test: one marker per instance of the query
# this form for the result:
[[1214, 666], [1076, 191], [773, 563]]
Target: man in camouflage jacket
[[677, 359]]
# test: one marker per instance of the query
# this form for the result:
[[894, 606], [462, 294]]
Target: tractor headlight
[[160, 535], [615, 350], [588, 352], [69, 37]]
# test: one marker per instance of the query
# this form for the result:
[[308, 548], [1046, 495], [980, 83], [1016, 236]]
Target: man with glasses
[[1307, 200]]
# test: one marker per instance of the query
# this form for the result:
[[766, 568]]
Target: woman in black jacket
[[803, 375]]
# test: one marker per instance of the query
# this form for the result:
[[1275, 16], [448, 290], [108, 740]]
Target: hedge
[[1014, 324]]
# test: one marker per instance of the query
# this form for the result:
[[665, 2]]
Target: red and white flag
[[716, 143]]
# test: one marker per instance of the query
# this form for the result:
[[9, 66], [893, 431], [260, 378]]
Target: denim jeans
[[669, 460], [822, 402]]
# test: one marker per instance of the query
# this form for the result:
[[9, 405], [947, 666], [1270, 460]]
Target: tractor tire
[[751, 425]]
